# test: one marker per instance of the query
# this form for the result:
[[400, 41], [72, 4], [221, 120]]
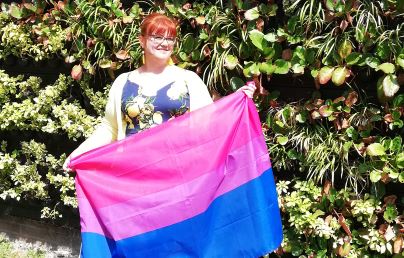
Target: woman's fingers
[[65, 165], [248, 90]]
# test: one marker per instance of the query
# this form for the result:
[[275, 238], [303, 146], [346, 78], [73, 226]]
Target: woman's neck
[[155, 66]]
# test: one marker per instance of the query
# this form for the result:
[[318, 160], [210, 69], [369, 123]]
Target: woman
[[151, 94]]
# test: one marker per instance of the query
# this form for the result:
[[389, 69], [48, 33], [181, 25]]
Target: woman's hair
[[158, 24]]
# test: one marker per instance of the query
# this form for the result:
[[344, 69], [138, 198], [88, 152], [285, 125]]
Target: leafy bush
[[325, 222], [353, 147]]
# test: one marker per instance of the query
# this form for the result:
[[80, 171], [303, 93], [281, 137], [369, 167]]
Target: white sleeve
[[106, 132], [198, 92]]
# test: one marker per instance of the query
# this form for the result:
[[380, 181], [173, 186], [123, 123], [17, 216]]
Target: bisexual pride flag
[[200, 185]]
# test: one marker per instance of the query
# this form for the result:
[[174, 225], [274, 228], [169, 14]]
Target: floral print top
[[143, 111]]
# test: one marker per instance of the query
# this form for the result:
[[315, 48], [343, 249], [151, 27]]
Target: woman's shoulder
[[183, 74], [121, 79], [182, 71]]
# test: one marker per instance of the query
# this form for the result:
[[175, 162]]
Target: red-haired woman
[[152, 94]]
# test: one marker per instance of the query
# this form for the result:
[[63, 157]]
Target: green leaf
[[135, 10], [203, 35], [360, 34], [257, 38], [325, 74], [252, 14], [236, 83], [400, 60], [347, 146], [267, 68], [269, 9], [196, 55], [314, 73], [339, 76], [375, 149], [282, 66], [372, 62], [271, 37], [118, 13], [292, 23], [331, 5], [398, 101], [375, 176], [230, 62], [345, 49], [352, 133], [391, 213], [15, 11], [251, 69], [298, 69], [245, 50], [189, 44], [301, 117], [292, 154], [353, 58], [184, 56], [269, 52], [387, 68], [396, 115], [390, 85], [310, 56], [282, 140], [300, 52], [105, 63], [383, 50], [400, 160], [396, 144], [401, 177]]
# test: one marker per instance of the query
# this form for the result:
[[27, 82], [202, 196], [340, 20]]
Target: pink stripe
[[170, 157], [167, 207]]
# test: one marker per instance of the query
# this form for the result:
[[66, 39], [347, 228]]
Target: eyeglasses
[[160, 39]]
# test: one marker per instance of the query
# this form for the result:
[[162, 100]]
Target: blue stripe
[[244, 222]]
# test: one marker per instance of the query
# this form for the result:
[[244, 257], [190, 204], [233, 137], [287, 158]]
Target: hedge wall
[[329, 75]]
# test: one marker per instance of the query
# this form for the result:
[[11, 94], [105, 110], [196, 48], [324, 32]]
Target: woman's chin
[[163, 58]]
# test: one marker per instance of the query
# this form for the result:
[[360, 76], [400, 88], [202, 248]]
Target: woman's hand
[[65, 165], [248, 89]]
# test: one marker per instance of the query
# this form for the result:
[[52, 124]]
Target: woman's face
[[157, 45]]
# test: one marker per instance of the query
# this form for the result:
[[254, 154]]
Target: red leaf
[[351, 99], [260, 24], [77, 72], [122, 54], [341, 221], [391, 199], [187, 6], [287, 54]]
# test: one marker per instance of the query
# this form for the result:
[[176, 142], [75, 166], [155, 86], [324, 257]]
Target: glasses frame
[[157, 39]]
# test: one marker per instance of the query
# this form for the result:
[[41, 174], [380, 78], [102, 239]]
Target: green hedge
[[339, 162]]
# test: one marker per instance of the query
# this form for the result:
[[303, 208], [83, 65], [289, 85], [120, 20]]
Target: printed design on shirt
[[142, 111], [177, 90]]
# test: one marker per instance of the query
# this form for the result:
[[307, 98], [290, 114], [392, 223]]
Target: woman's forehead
[[162, 32]]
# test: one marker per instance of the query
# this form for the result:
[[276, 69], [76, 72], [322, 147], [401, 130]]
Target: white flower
[[157, 118], [139, 101], [177, 90]]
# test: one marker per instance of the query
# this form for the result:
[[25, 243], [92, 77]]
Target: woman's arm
[[198, 92], [106, 131]]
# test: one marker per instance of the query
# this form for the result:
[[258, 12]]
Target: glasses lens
[[159, 39]]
